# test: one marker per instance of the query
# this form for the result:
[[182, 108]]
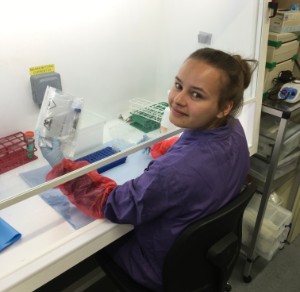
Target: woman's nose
[[180, 98]]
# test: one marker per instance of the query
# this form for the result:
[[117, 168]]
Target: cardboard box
[[285, 21], [282, 46]]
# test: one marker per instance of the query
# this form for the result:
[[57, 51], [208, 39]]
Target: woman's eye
[[196, 94], [178, 86]]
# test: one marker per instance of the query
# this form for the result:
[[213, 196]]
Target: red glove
[[88, 192], [162, 147]]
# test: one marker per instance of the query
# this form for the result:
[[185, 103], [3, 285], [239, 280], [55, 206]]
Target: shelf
[[280, 108], [260, 181]]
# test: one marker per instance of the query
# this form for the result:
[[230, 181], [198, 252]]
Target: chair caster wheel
[[247, 279], [228, 287]]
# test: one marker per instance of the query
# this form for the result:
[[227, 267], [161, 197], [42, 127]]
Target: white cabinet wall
[[111, 51]]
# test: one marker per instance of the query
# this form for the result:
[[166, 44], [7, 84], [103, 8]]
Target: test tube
[[29, 139]]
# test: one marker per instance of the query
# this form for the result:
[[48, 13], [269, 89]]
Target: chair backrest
[[204, 254]]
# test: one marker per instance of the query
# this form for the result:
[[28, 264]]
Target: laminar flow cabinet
[[276, 161]]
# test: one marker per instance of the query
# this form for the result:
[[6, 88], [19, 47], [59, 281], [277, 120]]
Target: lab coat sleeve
[[88, 192], [144, 198]]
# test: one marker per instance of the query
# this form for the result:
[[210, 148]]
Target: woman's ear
[[227, 109]]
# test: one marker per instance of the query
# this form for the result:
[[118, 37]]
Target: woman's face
[[194, 96]]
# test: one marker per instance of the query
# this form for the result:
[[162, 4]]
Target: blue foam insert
[[101, 154]]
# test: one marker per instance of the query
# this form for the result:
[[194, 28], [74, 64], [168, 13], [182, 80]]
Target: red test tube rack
[[14, 152]]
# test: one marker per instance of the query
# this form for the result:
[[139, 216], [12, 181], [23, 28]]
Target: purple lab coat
[[202, 172]]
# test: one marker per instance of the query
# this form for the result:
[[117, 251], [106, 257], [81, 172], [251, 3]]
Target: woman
[[200, 173]]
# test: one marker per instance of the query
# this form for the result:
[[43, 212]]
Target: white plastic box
[[268, 130], [274, 229], [259, 167], [281, 47], [90, 132], [266, 146], [285, 21]]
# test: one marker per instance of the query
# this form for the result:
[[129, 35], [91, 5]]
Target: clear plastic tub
[[274, 229], [259, 167], [90, 132], [268, 131]]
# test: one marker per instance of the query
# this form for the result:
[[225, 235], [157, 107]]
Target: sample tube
[[29, 139]]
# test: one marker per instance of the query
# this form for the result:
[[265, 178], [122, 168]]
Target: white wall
[[232, 24], [109, 51], [105, 51]]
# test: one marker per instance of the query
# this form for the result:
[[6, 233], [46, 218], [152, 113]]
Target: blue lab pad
[[8, 235], [56, 199]]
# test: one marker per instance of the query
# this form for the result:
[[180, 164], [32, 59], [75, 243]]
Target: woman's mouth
[[177, 112]]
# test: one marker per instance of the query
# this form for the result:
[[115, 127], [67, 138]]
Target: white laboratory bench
[[49, 245]]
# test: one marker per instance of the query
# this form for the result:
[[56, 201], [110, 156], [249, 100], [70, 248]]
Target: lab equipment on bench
[[146, 115], [58, 118], [15, 151], [290, 92], [29, 139], [103, 153]]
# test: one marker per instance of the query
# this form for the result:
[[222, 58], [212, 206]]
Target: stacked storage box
[[267, 135], [289, 153], [281, 53], [285, 21], [274, 229]]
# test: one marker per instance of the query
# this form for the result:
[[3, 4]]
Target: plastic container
[[90, 132], [268, 131], [29, 139], [274, 229], [266, 146], [101, 154], [259, 167]]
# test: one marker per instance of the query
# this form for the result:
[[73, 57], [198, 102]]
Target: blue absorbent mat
[[56, 199], [8, 235]]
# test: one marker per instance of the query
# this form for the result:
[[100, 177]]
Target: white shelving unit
[[284, 112]]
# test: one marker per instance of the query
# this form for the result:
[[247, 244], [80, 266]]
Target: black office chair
[[202, 257]]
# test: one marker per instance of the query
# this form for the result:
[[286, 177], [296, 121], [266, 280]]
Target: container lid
[[29, 134]]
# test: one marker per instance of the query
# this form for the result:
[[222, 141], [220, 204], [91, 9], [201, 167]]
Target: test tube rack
[[13, 152], [101, 154], [146, 115]]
